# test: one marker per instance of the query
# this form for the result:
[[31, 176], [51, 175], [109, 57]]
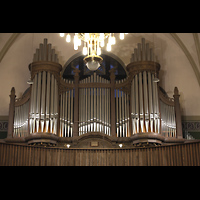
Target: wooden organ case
[[95, 111]]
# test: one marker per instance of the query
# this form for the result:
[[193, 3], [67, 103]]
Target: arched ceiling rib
[[188, 55], [8, 44]]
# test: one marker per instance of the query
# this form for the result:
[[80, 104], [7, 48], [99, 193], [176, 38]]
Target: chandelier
[[92, 43]]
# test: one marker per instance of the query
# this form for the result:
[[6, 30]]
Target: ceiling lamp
[[92, 43]]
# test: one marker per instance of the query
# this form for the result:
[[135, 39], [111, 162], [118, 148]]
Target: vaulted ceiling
[[178, 54]]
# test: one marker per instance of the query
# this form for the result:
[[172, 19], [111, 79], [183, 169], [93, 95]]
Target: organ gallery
[[113, 107]]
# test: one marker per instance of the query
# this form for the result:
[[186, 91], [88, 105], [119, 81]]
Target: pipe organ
[[58, 107]]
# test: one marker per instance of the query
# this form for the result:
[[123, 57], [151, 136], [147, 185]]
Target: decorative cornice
[[140, 66], [51, 67]]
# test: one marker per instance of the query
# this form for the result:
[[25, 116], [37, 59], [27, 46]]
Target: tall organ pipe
[[38, 102], [136, 104], [141, 103], [55, 106], [95, 96], [89, 106], [52, 104], [145, 107], [43, 99], [44, 95], [117, 111], [150, 100], [47, 101], [146, 101], [133, 106]]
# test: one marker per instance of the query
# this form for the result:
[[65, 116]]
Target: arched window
[[107, 64]]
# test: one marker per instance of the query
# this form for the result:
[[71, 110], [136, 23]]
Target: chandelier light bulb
[[62, 34], [121, 36], [75, 42], [113, 40], [102, 43], [110, 40], [68, 38], [108, 47], [85, 51], [101, 36], [79, 42], [98, 51], [87, 36]]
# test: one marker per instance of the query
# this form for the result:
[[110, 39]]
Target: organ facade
[[95, 110]]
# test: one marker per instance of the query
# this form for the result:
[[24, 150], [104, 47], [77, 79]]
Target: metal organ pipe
[[43, 99], [133, 116], [95, 104], [52, 104], [136, 104], [98, 107], [117, 111], [150, 100], [141, 103], [94, 107], [144, 93], [145, 108], [44, 103], [146, 101], [21, 120], [55, 106], [122, 111], [66, 112], [47, 101], [168, 123], [44, 94], [143, 49], [89, 105]]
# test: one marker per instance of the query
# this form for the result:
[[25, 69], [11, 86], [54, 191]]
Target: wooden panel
[[174, 155]]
